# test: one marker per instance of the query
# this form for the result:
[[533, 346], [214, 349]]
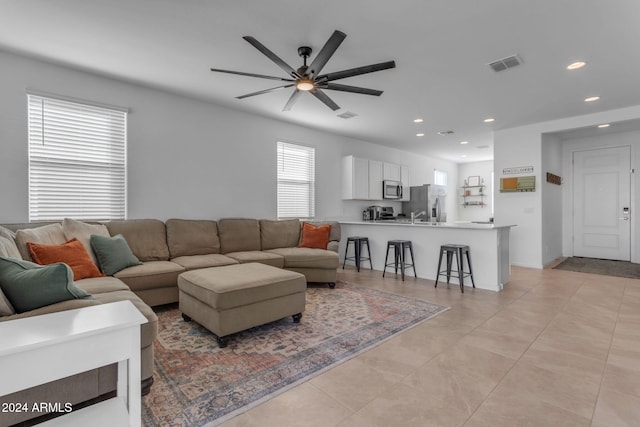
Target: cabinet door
[[406, 186], [360, 179], [391, 171], [375, 180]]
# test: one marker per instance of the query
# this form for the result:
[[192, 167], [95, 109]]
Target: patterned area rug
[[605, 267], [197, 383]]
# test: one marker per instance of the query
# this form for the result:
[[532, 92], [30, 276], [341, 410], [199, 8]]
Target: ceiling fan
[[308, 78]]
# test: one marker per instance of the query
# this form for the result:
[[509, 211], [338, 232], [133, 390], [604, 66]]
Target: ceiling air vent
[[445, 132], [347, 115], [504, 63]]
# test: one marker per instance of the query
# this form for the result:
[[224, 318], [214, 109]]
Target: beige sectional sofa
[[167, 249]]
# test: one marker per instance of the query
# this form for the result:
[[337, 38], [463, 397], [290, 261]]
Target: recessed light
[[489, 120], [604, 125], [591, 99], [464, 155], [419, 134], [464, 142], [576, 65], [417, 120]]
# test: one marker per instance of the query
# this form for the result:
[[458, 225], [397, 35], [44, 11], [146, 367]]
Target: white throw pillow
[[8, 248], [51, 234], [83, 231]]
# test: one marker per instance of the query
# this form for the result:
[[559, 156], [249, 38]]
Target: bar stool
[[357, 246], [399, 247], [458, 251]]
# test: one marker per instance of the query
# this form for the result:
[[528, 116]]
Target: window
[[77, 161], [439, 177], [296, 181]]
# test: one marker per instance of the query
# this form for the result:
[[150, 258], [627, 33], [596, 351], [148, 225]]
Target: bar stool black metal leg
[[358, 246], [413, 262], [470, 269], [449, 259], [346, 250], [369, 254], [402, 253], [386, 258], [396, 254], [460, 273], [439, 266]]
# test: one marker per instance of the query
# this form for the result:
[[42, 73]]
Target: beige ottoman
[[232, 298]]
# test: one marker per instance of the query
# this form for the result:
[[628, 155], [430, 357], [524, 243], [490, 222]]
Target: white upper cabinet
[[375, 180], [362, 178], [406, 186], [391, 171]]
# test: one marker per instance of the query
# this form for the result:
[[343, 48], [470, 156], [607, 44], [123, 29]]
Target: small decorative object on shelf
[[474, 181]]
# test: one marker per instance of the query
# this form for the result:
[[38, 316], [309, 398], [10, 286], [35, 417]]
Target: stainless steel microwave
[[391, 189]]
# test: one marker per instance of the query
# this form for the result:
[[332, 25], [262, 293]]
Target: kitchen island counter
[[488, 243]]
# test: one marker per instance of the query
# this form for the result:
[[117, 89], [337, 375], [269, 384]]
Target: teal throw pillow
[[113, 253], [29, 286]]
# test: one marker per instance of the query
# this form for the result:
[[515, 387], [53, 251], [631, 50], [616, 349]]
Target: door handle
[[626, 218]]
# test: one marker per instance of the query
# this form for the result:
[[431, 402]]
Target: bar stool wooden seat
[[358, 242], [458, 251], [399, 256]]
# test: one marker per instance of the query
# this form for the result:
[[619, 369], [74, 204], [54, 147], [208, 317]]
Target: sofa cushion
[[52, 308], [244, 257], [8, 248], [238, 235], [147, 238], [149, 330], [113, 253], [29, 286], [71, 253], [6, 309], [307, 258], [51, 234], [83, 231], [100, 285], [7, 233], [314, 236], [193, 262], [151, 275], [192, 237], [279, 234]]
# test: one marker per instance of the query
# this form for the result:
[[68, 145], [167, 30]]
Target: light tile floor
[[555, 348]]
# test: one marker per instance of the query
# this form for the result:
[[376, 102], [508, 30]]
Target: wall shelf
[[473, 195]]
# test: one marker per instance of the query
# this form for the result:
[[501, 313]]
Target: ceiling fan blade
[[354, 89], [292, 100], [326, 52], [272, 56], [318, 93], [357, 71], [240, 73], [273, 89]]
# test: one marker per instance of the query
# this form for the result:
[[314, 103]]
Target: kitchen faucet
[[415, 216]]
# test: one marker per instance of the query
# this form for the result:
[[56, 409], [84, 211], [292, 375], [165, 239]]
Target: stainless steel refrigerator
[[428, 202]]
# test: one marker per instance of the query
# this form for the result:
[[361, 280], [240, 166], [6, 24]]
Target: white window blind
[[77, 160], [296, 181]]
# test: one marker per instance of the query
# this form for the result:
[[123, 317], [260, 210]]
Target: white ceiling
[[441, 48]]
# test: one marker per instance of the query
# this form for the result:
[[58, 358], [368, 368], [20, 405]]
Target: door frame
[[594, 143]]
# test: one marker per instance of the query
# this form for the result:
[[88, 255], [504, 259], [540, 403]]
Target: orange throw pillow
[[315, 236], [71, 253]]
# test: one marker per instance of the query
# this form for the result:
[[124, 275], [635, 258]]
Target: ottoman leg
[[332, 285], [297, 317], [186, 318], [222, 341]]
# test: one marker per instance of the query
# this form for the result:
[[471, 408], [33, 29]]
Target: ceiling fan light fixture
[[305, 85]]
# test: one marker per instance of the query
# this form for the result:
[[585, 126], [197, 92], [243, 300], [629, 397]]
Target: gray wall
[[186, 158]]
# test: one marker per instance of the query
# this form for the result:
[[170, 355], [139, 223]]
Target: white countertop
[[461, 225]]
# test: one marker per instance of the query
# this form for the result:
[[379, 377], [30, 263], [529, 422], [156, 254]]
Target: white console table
[[41, 349]]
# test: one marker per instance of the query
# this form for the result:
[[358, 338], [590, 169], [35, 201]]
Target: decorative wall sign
[[518, 184], [473, 181], [554, 179], [519, 169]]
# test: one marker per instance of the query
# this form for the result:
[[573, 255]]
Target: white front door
[[601, 203]]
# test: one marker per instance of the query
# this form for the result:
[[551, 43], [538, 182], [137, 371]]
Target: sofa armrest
[[333, 246], [53, 308]]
